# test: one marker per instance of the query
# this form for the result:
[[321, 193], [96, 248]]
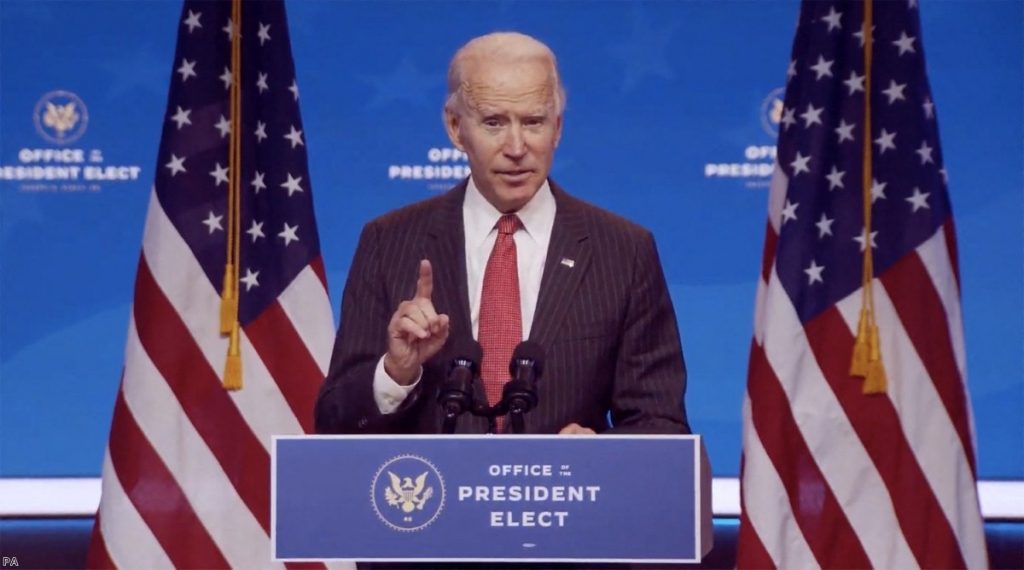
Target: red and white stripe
[[186, 480], [832, 477]]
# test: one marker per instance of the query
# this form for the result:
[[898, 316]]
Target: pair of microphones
[[518, 396]]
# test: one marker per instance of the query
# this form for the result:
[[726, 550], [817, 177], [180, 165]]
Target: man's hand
[[416, 332], [576, 429]]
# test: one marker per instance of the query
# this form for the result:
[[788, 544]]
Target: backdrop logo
[[61, 117], [407, 493], [443, 168], [771, 111], [757, 163]]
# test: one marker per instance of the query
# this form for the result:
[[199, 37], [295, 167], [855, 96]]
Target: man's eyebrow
[[488, 111]]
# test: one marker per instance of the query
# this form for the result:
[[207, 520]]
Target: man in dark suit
[[504, 256]]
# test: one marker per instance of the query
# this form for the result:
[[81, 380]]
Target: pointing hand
[[416, 332]]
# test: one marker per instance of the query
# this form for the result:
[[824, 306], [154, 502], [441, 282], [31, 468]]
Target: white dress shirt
[[480, 219]]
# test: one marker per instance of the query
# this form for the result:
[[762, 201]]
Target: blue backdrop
[[669, 122]]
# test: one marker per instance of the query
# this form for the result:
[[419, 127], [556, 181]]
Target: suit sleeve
[[346, 402], [650, 374]]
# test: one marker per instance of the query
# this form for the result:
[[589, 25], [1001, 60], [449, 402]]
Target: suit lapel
[[567, 261], [446, 251]]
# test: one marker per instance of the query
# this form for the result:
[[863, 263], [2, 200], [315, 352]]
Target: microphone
[[456, 393], [520, 393]]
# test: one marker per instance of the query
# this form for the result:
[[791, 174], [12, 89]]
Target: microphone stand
[[451, 416]]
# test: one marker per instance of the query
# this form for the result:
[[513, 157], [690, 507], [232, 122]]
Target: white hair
[[507, 46]]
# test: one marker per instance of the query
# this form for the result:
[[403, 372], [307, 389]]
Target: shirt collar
[[480, 216]]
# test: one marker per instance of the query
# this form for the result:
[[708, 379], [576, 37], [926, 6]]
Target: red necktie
[[501, 321]]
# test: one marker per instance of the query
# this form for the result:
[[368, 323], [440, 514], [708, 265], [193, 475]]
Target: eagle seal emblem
[[407, 493], [61, 117], [771, 111]]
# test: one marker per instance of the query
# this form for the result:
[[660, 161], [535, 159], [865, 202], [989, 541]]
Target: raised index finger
[[425, 282]]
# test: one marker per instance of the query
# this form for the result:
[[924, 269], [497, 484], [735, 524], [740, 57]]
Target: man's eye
[[492, 123]]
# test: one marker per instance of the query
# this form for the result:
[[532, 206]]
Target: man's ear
[[451, 124]]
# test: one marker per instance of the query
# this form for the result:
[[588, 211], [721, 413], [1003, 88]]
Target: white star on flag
[[860, 239], [224, 126], [813, 272], [213, 222], [824, 226], [789, 212], [181, 117], [295, 136], [192, 21], [226, 78], [800, 163], [294, 88], [835, 178], [292, 184], [859, 34], [261, 82], [823, 67], [288, 234], [877, 190], [788, 118], [845, 131], [176, 164], [855, 83], [250, 278], [791, 70], [261, 131], [925, 152], [929, 107], [895, 91], [885, 141], [256, 231], [264, 33], [219, 174], [918, 199], [187, 69], [905, 43], [257, 182], [229, 29], [832, 19], [812, 116]]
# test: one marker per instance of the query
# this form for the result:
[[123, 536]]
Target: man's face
[[508, 127]]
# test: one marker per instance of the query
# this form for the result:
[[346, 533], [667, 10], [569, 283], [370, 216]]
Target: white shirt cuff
[[386, 392]]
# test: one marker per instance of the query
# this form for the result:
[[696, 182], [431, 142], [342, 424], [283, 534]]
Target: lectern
[[486, 498]]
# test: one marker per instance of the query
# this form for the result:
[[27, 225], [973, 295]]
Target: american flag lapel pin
[[568, 262]]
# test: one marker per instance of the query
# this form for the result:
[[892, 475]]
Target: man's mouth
[[515, 175]]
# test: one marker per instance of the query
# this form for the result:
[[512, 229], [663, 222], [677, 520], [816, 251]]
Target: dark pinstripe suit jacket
[[606, 322]]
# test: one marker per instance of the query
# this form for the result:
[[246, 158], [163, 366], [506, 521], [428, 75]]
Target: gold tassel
[[875, 381], [861, 348], [228, 301], [233, 365]]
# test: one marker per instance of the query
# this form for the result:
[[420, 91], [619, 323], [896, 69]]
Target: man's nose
[[515, 144]]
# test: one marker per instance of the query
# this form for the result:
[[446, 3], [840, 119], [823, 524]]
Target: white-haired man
[[504, 256]]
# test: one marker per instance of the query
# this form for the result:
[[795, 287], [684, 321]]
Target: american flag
[[186, 475], [832, 476]]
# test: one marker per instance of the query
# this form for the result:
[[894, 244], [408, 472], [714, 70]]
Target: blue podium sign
[[487, 498]]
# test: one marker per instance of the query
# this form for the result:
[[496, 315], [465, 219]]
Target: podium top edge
[[683, 437]]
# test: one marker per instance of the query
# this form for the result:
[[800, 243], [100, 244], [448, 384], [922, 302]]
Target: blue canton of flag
[[820, 150], [279, 231]]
